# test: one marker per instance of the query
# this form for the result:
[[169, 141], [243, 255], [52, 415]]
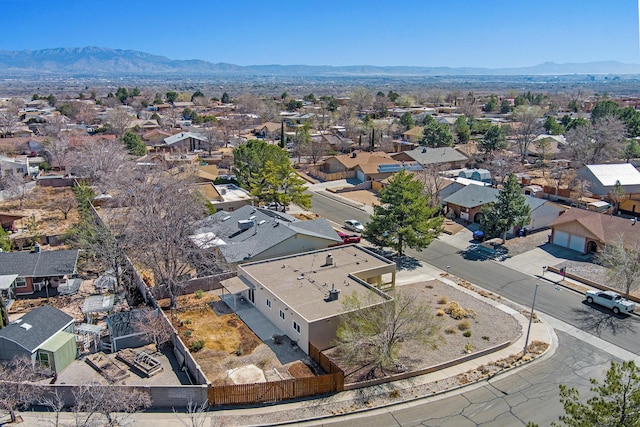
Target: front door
[[251, 296]]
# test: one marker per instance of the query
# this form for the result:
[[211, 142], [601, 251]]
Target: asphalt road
[[561, 303], [530, 394]]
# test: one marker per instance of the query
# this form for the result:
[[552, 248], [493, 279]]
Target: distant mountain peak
[[102, 60]]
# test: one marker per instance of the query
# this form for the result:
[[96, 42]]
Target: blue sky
[[481, 33]]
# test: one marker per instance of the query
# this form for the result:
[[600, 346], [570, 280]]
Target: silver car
[[353, 225]]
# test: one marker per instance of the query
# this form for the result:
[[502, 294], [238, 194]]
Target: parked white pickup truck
[[611, 300]]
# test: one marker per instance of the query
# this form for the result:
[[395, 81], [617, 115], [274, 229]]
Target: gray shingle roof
[[39, 264], [269, 229], [428, 155], [477, 195], [45, 322]]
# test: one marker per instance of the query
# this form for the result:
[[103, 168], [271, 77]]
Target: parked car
[[349, 238], [353, 225], [611, 300]]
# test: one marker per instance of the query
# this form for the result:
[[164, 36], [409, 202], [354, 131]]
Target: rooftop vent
[[424, 149], [329, 260], [26, 326], [333, 293], [245, 224], [226, 218]]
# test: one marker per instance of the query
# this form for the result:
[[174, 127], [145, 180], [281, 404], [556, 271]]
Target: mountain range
[[106, 61]]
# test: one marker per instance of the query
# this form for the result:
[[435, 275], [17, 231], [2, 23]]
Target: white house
[[302, 293], [603, 178]]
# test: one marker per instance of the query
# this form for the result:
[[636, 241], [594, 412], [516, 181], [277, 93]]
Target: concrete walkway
[[256, 321]]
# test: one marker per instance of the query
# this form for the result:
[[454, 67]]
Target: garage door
[[576, 243], [561, 238]]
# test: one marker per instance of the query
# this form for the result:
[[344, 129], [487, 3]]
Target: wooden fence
[[322, 360], [275, 391]]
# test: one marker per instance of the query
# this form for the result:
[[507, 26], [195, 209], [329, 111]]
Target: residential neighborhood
[[188, 242]]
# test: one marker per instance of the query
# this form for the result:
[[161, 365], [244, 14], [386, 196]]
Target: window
[[282, 314], [20, 282], [44, 359], [296, 326], [268, 303]]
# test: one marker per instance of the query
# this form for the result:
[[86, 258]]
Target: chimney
[[329, 260]]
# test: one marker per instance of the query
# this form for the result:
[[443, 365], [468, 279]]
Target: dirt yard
[[485, 326], [46, 204], [229, 344]]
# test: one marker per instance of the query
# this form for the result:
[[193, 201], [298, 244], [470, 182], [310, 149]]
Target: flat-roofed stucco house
[[302, 294]]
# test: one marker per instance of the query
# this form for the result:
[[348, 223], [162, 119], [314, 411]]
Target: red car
[[348, 238]]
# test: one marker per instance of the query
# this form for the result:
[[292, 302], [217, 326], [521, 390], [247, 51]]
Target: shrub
[[463, 325], [440, 312], [454, 310], [443, 300], [486, 338], [467, 334], [187, 334], [198, 294], [239, 351], [187, 321], [277, 339], [394, 394], [450, 331], [196, 346], [468, 347]]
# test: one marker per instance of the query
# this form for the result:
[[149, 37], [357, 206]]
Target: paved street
[[530, 394], [556, 301]]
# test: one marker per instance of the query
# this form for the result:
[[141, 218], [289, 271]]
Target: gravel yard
[[486, 326]]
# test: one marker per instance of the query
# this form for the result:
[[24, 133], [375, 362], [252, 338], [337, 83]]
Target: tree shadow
[[406, 263], [597, 319]]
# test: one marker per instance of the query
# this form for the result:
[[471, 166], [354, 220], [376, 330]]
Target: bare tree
[[361, 98], [431, 177], [65, 203], [579, 190], [372, 336], [119, 120], [54, 126], [54, 403], [162, 213], [196, 415], [14, 184], [155, 328], [105, 163], [529, 126], [248, 104], [543, 146], [17, 385], [112, 404], [9, 119], [57, 152], [599, 143], [622, 260]]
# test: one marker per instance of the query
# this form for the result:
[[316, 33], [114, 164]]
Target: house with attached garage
[[467, 204], [587, 231], [446, 157], [45, 335], [302, 293]]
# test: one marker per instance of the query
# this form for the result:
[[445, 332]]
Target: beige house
[[587, 231], [302, 294]]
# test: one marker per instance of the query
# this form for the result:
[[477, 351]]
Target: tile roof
[[45, 322], [39, 264], [607, 228]]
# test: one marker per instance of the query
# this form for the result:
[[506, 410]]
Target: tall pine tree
[[509, 209]]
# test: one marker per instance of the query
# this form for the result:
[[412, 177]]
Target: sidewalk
[[416, 389]]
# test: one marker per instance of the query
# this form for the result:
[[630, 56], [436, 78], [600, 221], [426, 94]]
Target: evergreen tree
[[493, 140], [406, 120], [615, 402], [436, 134], [403, 218], [134, 143], [462, 130], [509, 209], [632, 150]]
